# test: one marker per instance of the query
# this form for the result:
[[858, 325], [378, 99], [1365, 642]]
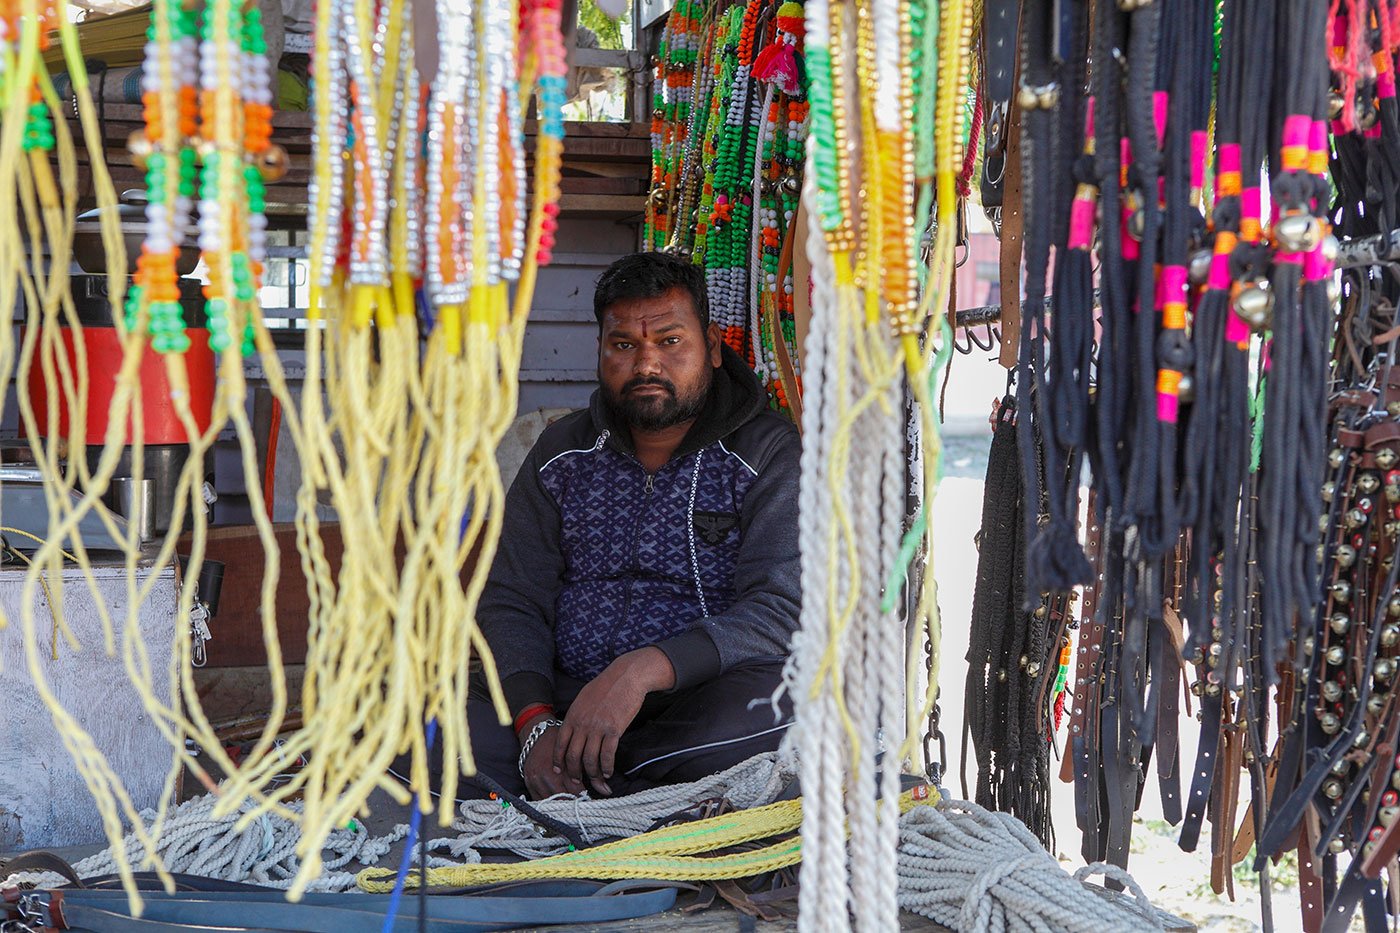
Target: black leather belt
[[1000, 22]]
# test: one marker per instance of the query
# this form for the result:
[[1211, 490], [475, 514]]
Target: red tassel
[[777, 63]]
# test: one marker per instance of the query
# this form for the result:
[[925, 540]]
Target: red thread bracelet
[[530, 712]]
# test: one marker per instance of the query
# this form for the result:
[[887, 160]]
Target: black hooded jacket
[[598, 558]]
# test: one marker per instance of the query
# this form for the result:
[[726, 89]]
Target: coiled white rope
[[967, 868], [491, 824], [194, 842], [977, 871]]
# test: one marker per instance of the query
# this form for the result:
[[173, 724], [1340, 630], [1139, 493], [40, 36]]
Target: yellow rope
[[674, 853]]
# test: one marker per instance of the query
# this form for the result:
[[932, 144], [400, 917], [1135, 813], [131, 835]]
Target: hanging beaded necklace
[[776, 187], [171, 110], [672, 99]]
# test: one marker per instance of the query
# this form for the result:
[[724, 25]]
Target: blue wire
[[415, 820]]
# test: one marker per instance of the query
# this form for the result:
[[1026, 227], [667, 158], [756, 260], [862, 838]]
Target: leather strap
[[1207, 753], [39, 861], [1169, 718], [108, 911], [1012, 230], [787, 372], [1000, 25], [1310, 892]]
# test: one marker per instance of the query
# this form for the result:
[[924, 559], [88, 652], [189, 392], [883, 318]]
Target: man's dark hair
[[647, 275]]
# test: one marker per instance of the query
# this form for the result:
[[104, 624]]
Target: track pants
[[679, 736]]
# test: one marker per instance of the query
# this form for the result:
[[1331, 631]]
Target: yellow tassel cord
[[958, 20], [878, 313], [673, 853], [39, 208], [404, 438], [48, 221], [873, 103]]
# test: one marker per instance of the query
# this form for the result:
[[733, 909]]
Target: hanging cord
[[415, 825]]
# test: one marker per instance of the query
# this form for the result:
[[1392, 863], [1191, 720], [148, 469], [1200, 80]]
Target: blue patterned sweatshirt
[[598, 558]]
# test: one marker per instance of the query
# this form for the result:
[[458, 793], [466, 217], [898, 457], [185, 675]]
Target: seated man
[[646, 587]]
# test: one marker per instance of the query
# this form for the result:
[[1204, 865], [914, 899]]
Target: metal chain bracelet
[[527, 746]]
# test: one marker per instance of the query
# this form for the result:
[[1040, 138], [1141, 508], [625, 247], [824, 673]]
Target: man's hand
[[541, 778], [587, 743]]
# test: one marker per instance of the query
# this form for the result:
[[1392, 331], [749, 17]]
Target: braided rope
[[976, 870], [194, 841], [491, 824]]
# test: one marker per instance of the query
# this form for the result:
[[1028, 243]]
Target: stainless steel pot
[[90, 254]]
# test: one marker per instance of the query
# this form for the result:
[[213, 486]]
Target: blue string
[[427, 318], [415, 820]]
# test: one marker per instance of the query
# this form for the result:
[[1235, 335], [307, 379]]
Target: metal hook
[[992, 338], [984, 347], [960, 348]]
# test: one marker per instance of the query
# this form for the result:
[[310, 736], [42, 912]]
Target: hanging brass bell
[[1048, 97], [1199, 268], [1341, 767], [1336, 655], [1329, 488], [1341, 591], [1340, 622], [1356, 518], [1368, 483], [1186, 389], [1336, 846], [1387, 815], [1395, 779], [140, 148], [1323, 521], [1386, 458], [1027, 98], [1331, 248], [1298, 233], [1392, 492], [1309, 643], [1393, 607], [1331, 725], [1390, 636], [1033, 669], [1375, 704], [1362, 739], [1331, 691], [1384, 670], [273, 163], [1255, 306], [1346, 556]]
